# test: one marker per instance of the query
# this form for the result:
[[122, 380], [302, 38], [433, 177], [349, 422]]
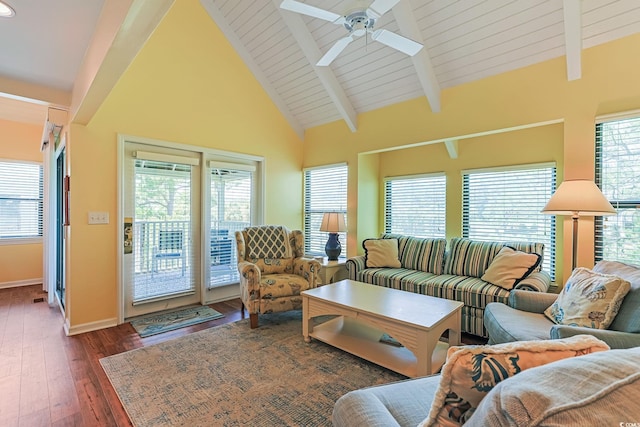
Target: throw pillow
[[510, 266], [594, 389], [472, 258], [470, 372], [381, 253], [589, 299]]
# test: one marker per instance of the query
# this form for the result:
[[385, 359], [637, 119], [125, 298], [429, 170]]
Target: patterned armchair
[[273, 270]]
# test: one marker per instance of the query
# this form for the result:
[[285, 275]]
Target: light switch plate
[[98, 217]]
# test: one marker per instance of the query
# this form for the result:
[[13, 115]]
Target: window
[[325, 190], [504, 205], [416, 205], [618, 176], [21, 193]]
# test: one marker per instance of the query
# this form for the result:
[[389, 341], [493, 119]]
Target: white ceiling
[[464, 40], [43, 45]]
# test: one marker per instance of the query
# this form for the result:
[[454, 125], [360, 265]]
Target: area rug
[[158, 323], [232, 375]]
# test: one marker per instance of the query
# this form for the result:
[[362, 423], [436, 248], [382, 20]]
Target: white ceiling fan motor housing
[[357, 23]]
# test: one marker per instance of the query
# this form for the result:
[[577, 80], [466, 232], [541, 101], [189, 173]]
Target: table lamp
[[333, 223], [578, 197]]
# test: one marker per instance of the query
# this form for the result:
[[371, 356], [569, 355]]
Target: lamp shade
[[333, 222], [580, 197]]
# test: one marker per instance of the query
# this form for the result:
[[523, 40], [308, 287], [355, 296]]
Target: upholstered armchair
[[523, 318], [273, 270]]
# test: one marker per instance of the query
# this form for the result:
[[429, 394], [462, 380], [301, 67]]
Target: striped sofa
[[429, 268]]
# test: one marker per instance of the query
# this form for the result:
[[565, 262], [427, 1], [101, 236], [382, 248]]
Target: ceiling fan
[[358, 21]]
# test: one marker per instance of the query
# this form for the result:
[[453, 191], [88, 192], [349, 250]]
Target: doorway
[[60, 222], [162, 205]]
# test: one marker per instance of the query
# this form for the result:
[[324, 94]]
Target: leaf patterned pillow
[[589, 299], [471, 372]]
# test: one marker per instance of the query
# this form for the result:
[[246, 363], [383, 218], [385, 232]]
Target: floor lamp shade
[[333, 223], [578, 197]]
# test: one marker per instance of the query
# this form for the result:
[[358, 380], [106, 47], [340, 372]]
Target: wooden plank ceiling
[[464, 40]]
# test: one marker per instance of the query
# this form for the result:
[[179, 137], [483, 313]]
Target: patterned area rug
[[232, 375], [169, 320]]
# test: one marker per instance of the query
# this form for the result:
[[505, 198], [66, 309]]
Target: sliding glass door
[[231, 201], [162, 229]]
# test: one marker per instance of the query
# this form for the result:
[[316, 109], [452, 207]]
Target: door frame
[[50, 209], [206, 155]]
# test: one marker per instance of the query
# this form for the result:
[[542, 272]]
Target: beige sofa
[[428, 267], [597, 389]]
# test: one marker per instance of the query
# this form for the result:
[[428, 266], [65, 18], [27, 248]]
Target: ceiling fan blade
[[396, 41], [305, 9], [380, 7], [335, 50]]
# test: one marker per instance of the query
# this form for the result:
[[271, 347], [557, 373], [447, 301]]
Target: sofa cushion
[[387, 405], [627, 319], [471, 372], [601, 389], [472, 258], [507, 324], [396, 278], [510, 266], [424, 254], [473, 292], [589, 299], [381, 253]]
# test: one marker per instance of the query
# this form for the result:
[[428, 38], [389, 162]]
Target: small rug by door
[[232, 375], [158, 323]]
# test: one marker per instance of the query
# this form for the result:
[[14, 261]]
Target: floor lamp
[[578, 197]]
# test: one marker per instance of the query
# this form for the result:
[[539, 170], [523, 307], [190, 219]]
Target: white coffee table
[[366, 311]]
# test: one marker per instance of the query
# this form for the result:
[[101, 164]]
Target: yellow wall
[[20, 264], [187, 85], [535, 94]]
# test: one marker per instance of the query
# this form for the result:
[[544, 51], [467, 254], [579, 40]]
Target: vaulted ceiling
[[464, 40]]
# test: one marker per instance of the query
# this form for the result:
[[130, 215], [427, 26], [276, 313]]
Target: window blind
[[504, 205], [325, 190], [231, 210], [416, 205], [618, 176], [21, 196]]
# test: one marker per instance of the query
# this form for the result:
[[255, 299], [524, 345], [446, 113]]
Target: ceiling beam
[[573, 38], [452, 147], [217, 16], [313, 54], [121, 32], [421, 61]]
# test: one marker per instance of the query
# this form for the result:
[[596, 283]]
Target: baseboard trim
[[89, 327], [18, 283]]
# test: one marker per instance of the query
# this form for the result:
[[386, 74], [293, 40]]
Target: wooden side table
[[332, 271]]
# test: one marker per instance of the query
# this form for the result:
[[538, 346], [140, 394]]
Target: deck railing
[[147, 243]]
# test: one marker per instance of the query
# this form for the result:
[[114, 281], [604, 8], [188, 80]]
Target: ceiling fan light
[[6, 11]]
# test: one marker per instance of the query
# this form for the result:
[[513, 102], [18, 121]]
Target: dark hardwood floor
[[49, 379]]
